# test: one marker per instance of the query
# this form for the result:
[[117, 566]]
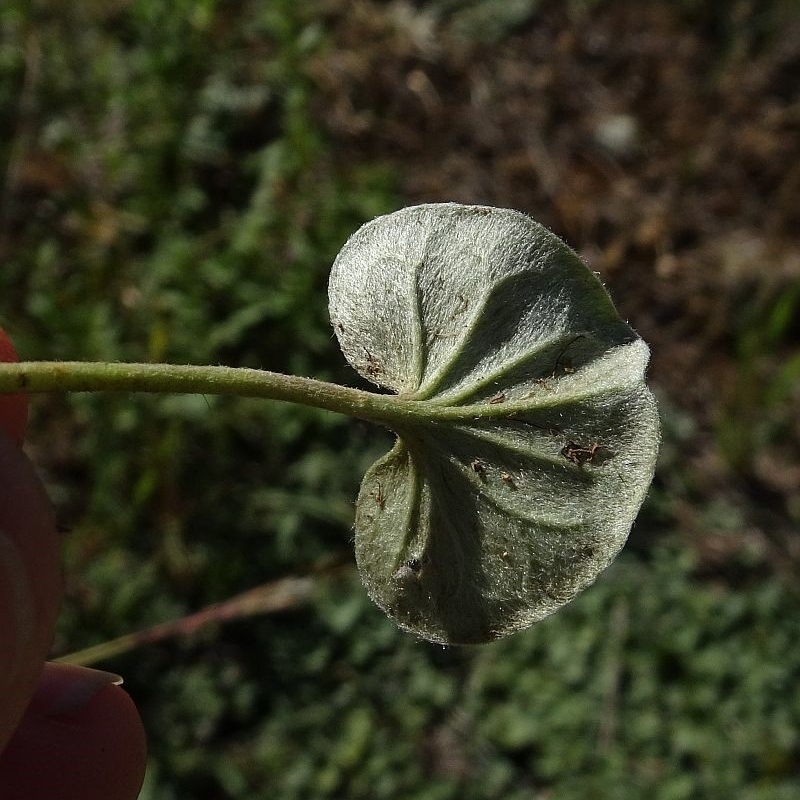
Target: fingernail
[[65, 690], [16, 607]]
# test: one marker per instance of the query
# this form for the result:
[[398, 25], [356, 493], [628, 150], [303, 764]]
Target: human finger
[[81, 739], [13, 407], [30, 582]]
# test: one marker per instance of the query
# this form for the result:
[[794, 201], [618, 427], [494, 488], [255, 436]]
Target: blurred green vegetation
[[170, 194]]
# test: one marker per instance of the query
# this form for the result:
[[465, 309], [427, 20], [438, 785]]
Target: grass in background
[[170, 194]]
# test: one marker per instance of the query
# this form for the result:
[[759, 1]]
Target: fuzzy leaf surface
[[520, 482]]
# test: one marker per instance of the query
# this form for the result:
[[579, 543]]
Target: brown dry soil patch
[[665, 148]]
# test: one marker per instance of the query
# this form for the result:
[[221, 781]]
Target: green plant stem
[[35, 377]]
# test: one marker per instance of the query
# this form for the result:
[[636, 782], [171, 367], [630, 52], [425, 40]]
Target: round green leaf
[[520, 481]]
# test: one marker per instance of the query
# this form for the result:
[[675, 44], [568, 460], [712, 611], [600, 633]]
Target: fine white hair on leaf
[[541, 437]]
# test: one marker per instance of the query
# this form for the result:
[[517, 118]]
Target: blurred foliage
[[652, 684], [167, 192], [760, 410], [485, 20]]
